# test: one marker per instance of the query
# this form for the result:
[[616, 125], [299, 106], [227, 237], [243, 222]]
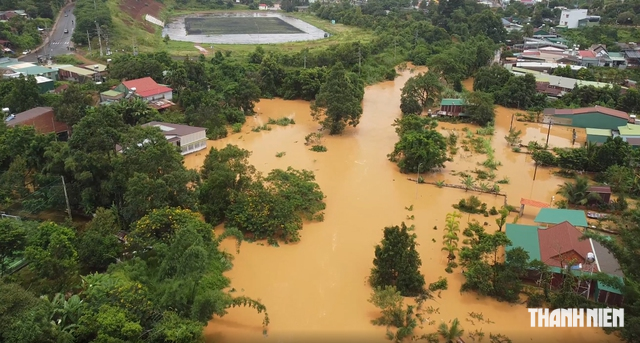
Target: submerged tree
[[397, 262], [451, 333], [480, 108], [421, 147], [420, 92], [339, 102], [394, 313]]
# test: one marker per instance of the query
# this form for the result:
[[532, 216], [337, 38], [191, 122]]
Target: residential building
[[596, 117], [44, 84], [12, 67], [566, 84], [42, 119], [78, 74], [100, 70], [452, 107], [563, 250], [156, 95], [598, 136], [7, 15], [617, 60], [574, 18], [188, 138], [546, 89], [541, 34], [510, 25], [588, 58]]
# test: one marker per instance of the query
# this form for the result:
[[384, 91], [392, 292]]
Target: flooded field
[[240, 28], [316, 289]]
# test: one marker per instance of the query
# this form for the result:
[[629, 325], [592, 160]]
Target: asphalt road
[[59, 40]]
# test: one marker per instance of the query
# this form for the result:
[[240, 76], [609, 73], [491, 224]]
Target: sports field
[[238, 25]]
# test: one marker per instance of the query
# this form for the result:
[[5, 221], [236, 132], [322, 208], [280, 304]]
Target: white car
[[26, 52]]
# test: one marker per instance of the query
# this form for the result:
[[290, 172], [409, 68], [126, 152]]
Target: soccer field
[[238, 25]]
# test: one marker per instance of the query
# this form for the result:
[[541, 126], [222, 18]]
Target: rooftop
[[32, 70], [598, 132], [78, 71], [452, 102], [28, 115], [526, 237], [599, 109], [170, 129], [600, 189], [146, 86], [95, 67], [111, 93], [586, 54], [561, 245], [629, 130], [632, 141], [558, 215]]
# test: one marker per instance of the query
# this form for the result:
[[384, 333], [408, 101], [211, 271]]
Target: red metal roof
[[561, 243], [600, 189], [146, 87], [586, 53], [529, 202]]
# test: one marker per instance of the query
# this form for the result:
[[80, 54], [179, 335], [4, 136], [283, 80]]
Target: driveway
[[59, 41]]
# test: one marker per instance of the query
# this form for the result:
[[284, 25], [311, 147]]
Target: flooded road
[[316, 289]]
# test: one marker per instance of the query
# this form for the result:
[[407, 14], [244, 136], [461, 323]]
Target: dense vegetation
[[89, 15], [421, 147]]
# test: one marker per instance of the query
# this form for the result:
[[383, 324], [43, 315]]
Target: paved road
[[59, 40]]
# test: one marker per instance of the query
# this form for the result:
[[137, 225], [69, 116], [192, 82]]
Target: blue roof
[[525, 237], [558, 215]]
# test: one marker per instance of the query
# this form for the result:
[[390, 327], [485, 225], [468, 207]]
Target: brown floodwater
[[317, 288]]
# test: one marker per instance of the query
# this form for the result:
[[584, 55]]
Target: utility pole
[[418, 179], [89, 40], [94, 5], [546, 144], [305, 59], [99, 38], [66, 197], [511, 126]]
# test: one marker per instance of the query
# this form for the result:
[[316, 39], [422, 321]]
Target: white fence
[[154, 20]]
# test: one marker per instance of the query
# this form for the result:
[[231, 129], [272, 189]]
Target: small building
[[588, 58], [110, 96], [145, 88], [604, 193], [560, 247], [553, 216], [263, 7], [188, 138], [543, 34], [597, 117], [629, 131], [570, 18], [42, 119], [75, 74], [598, 136], [452, 107], [100, 70], [44, 84]]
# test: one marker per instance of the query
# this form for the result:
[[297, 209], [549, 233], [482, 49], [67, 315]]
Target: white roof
[[546, 65], [42, 79]]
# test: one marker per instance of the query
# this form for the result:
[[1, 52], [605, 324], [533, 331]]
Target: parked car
[[66, 31]]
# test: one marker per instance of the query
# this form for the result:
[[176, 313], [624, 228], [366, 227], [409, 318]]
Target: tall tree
[[397, 262], [480, 108], [339, 102], [421, 147], [73, 105], [13, 239], [420, 92]]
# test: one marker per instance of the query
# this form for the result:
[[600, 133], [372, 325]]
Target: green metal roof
[[598, 132], [111, 93], [603, 287], [629, 130], [452, 102], [526, 237], [35, 70], [558, 215]]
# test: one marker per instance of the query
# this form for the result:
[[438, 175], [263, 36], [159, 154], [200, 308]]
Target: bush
[[535, 300], [441, 284], [544, 158], [471, 205]]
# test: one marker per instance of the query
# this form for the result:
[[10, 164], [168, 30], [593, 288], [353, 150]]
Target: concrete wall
[[594, 120], [167, 95]]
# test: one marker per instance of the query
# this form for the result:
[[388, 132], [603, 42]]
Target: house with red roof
[[561, 247], [588, 58], [158, 96], [597, 117]]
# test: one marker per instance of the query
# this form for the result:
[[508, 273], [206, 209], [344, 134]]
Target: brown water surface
[[317, 288]]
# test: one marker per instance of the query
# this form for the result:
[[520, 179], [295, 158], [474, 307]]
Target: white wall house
[[188, 138], [570, 18]]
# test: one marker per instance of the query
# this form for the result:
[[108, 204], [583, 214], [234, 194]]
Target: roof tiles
[[561, 245]]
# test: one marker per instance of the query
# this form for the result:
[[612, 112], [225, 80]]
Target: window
[[566, 16]]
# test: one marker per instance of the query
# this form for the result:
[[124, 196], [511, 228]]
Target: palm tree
[[450, 248], [451, 222], [451, 333], [451, 237], [577, 193], [468, 182]]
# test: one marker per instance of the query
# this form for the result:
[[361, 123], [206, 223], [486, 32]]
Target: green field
[[238, 25]]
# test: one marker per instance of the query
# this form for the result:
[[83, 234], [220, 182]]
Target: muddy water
[[317, 288]]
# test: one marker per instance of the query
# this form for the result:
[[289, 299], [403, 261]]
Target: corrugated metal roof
[[559, 215], [598, 132], [111, 93], [526, 237], [629, 130], [452, 102], [79, 71]]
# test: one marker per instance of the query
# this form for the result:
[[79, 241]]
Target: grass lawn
[[238, 25]]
